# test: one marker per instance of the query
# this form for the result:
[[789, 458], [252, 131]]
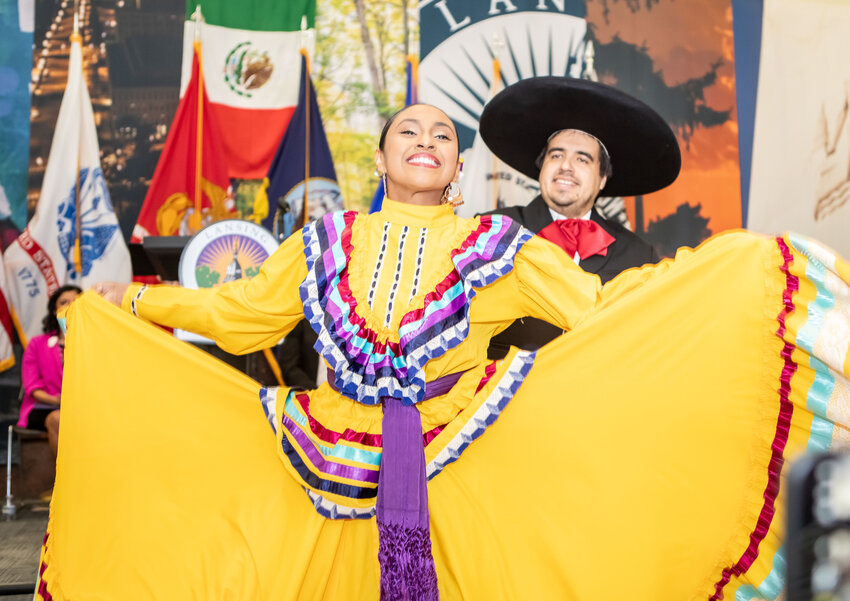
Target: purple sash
[[404, 533]]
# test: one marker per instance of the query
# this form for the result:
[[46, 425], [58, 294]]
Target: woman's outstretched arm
[[241, 316]]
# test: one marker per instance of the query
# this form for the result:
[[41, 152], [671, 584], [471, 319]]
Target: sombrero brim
[[644, 151]]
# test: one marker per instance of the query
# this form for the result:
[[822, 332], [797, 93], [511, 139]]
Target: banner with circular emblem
[[223, 252]]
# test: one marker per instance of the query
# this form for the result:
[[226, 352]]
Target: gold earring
[[452, 195]]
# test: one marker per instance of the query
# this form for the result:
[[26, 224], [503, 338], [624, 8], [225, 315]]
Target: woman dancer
[[639, 456]]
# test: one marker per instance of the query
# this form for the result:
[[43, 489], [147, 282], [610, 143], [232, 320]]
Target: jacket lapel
[[537, 215]]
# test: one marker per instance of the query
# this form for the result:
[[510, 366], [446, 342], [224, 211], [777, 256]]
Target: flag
[[9, 232], [7, 356], [488, 183], [302, 174], [74, 237], [411, 96], [252, 66], [190, 178]]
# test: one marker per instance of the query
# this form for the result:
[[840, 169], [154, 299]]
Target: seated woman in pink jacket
[[41, 371]]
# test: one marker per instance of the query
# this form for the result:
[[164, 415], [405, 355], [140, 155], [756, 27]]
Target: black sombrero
[[518, 121]]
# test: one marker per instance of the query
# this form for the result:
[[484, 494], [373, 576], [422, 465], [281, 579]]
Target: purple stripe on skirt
[[323, 465]]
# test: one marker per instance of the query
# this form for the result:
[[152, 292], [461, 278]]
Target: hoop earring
[[452, 195]]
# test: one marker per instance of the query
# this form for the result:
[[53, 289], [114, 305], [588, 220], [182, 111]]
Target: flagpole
[[195, 220], [495, 46], [414, 75], [306, 118], [76, 38]]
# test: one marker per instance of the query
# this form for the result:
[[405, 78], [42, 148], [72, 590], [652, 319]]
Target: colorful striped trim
[[327, 470], [367, 369], [268, 401], [335, 511], [783, 425], [487, 414]]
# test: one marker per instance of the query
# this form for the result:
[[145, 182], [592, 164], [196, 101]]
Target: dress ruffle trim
[[783, 428], [339, 471], [367, 368]]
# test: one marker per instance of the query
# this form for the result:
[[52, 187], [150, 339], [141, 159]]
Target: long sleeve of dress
[[241, 316], [544, 283]]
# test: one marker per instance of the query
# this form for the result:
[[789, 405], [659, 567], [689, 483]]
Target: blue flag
[[411, 97], [303, 160]]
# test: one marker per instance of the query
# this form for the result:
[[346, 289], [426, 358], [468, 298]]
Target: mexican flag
[[252, 69]]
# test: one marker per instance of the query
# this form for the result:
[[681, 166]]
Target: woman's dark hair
[[50, 323]]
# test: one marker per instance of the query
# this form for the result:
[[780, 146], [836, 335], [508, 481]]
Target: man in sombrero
[[578, 138]]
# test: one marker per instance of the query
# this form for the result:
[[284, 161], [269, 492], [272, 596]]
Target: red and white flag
[[252, 69], [189, 187]]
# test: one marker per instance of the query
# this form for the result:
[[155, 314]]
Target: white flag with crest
[[487, 182], [49, 253]]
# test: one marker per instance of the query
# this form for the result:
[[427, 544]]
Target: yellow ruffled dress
[[638, 456]]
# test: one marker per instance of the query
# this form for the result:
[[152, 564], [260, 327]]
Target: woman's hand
[[48, 399], [111, 291]]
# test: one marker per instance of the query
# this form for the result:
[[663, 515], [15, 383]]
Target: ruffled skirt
[[640, 456]]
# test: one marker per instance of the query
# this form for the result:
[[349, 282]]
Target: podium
[[160, 256]]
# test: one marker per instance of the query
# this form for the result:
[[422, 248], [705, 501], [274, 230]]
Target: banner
[[16, 68], [676, 57], [301, 185], [51, 252], [803, 116], [252, 64], [189, 187], [488, 183]]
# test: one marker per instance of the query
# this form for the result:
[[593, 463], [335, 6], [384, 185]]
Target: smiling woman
[[418, 154], [603, 466]]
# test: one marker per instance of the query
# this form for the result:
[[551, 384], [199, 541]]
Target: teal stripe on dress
[[336, 247], [817, 401], [448, 297], [338, 451], [771, 586], [817, 398], [824, 301]]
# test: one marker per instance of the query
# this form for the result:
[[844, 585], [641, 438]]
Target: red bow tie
[[578, 235]]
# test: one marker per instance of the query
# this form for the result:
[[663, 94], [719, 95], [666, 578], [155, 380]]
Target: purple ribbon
[[404, 531]]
